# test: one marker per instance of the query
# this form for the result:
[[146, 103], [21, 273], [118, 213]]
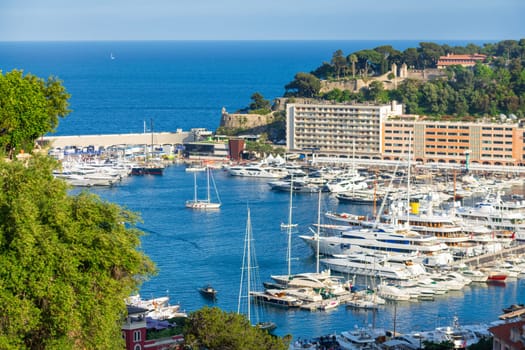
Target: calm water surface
[[192, 248], [185, 85]]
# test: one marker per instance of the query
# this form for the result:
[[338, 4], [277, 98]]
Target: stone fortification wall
[[244, 120], [400, 74]]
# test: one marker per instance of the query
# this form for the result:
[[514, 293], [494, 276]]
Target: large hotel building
[[369, 131]]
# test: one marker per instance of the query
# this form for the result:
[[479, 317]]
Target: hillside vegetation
[[490, 88]]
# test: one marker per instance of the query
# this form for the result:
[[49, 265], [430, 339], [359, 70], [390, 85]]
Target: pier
[[156, 138], [491, 257]]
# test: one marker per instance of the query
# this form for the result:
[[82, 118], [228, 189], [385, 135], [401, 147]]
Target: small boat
[[267, 326], [513, 307], [208, 291], [329, 304]]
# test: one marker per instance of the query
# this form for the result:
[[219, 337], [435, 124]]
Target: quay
[[195, 135], [484, 259], [156, 138]]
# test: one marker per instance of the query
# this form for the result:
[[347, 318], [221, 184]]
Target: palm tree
[[353, 60]]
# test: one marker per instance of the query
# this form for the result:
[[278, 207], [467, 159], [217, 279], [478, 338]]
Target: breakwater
[[146, 138]]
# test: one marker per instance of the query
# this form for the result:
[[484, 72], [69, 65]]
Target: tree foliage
[[488, 89], [66, 262], [304, 85], [29, 108], [259, 104], [212, 328]]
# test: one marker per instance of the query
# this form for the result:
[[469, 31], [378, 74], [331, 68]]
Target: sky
[[76, 20]]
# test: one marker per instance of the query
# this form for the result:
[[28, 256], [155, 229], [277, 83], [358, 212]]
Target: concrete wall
[[159, 138]]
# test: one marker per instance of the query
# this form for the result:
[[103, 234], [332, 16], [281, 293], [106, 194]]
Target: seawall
[[157, 138]]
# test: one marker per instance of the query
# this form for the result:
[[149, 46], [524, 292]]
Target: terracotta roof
[[503, 332]]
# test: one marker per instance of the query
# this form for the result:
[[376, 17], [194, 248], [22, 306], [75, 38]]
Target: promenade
[[156, 138]]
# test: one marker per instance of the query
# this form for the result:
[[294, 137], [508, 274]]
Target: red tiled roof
[[503, 332], [465, 60]]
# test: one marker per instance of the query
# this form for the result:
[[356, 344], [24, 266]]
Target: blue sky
[[261, 20]]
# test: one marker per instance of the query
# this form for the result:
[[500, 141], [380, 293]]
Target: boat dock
[[156, 138], [491, 257], [318, 305]]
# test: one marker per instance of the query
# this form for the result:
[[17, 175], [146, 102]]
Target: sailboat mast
[[408, 179], [248, 263], [208, 184], [289, 251], [194, 187], [318, 232], [151, 126]]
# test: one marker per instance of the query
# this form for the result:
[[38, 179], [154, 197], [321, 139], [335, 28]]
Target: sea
[[124, 87]]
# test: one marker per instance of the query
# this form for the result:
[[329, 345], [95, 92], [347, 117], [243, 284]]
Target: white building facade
[[338, 128]]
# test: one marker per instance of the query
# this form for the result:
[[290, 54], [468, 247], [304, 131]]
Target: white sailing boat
[[207, 203], [250, 278]]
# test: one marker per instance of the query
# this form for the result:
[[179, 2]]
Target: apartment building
[[338, 128], [371, 131], [454, 142]]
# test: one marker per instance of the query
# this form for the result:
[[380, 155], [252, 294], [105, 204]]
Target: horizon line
[[239, 40]]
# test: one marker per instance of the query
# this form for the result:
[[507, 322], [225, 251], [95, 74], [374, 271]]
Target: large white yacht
[[394, 266], [345, 240]]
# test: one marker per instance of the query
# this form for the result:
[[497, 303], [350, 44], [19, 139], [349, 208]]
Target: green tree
[[339, 63], [325, 71], [304, 85], [353, 60], [29, 108], [410, 57], [429, 54], [376, 92], [66, 262], [259, 103], [212, 328]]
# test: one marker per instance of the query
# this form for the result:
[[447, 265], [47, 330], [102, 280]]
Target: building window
[[137, 347], [136, 336]]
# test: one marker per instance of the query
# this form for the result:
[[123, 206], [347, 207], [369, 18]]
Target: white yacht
[[510, 224], [345, 240], [376, 265], [259, 171]]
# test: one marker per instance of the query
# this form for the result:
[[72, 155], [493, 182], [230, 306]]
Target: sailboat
[[149, 166], [249, 279], [204, 204]]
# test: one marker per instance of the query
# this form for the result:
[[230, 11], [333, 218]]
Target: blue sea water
[[185, 85], [177, 84]]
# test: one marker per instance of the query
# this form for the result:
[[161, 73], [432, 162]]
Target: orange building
[[462, 60], [452, 142]]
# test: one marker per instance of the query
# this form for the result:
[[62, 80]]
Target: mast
[[407, 223], [151, 126], [208, 184], [318, 231], [289, 251], [249, 258], [246, 266], [194, 187]]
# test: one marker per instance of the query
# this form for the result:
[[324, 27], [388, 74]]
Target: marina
[[207, 246], [192, 247]]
